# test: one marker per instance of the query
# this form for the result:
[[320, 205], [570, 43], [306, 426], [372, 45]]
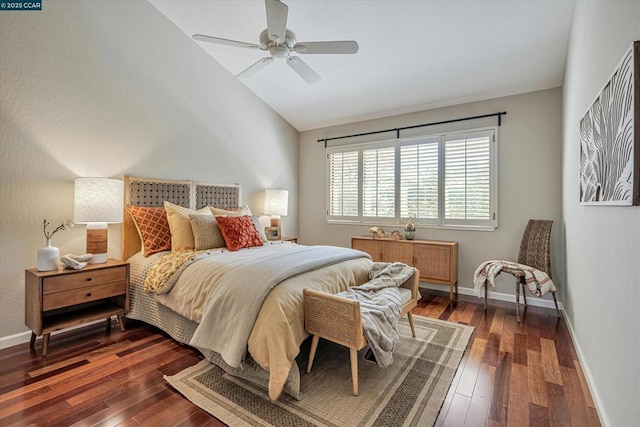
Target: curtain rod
[[397, 130]]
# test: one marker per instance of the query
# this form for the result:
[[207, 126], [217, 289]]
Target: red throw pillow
[[153, 228], [239, 232]]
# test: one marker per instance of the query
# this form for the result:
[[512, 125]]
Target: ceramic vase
[[48, 257], [410, 230]]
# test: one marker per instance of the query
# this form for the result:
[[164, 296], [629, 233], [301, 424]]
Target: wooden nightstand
[[60, 299], [290, 239]]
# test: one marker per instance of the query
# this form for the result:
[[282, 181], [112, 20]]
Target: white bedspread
[[276, 336]]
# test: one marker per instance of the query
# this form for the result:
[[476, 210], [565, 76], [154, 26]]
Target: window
[[444, 180]]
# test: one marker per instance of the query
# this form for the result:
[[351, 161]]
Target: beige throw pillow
[[206, 233], [180, 225]]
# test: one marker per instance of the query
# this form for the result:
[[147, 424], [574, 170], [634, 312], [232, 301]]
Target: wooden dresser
[[437, 260]]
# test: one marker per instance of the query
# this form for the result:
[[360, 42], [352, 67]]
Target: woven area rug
[[410, 392]]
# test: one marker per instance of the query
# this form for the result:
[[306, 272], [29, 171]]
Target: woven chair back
[[535, 246]]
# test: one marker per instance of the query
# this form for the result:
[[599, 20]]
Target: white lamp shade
[[276, 202], [97, 200]]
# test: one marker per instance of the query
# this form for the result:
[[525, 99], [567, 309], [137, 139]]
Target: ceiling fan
[[281, 43]]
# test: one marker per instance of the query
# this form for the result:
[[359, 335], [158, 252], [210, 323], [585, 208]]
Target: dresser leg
[[45, 344], [33, 339], [121, 322], [108, 324]]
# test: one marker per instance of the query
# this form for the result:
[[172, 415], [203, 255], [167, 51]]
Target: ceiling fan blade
[[259, 65], [348, 46], [303, 70], [276, 20], [218, 40]]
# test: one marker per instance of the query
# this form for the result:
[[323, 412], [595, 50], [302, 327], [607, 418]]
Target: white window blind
[[343, 184], [467, 177], [378, 182], [442, 180], [419, 180]]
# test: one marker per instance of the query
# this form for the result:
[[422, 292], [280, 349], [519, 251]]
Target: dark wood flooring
[[511, 374]]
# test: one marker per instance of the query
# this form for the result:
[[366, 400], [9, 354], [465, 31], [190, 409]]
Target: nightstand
[[59, 299], [290, 239]]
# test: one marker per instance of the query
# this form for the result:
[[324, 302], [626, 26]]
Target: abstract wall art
[[610, 138]]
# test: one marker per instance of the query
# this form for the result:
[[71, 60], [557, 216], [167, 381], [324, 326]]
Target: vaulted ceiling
[[413, 54]]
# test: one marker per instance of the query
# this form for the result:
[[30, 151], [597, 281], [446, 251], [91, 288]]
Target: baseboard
[[23, 337], [604, 419], [498, 296]]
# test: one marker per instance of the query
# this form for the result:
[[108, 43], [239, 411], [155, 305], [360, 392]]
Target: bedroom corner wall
[[106, 88], [602, 297], [529, 168]]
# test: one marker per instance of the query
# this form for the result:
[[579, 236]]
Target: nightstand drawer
[[83, 279], [78, 296]]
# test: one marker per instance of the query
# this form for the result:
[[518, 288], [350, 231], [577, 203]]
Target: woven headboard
[[154, 192]]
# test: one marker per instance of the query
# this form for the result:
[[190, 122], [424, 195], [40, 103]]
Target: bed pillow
[[241, 211], [206, 233], [153, 228], [180, 225], [239, 232], [256, 222]]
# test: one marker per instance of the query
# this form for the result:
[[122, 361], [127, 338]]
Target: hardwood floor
[[511, 374]]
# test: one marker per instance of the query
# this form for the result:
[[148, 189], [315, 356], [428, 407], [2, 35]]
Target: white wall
[[529, 167], [602, 297], [106, 88]]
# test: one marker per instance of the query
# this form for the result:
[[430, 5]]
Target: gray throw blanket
[[380, 306]]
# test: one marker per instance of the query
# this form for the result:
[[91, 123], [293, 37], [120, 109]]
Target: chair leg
[[312, 352], [518, 300], [524, 294], [413, 328], [353, 355], [486, 286], [556, 303]]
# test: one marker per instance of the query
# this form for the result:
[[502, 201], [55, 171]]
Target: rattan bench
[[338, 319]]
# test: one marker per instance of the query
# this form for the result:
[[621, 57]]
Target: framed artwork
[[610, 139], [272, 233]]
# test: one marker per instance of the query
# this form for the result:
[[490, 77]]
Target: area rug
[[410, 392]]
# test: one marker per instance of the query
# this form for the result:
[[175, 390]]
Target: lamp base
[[275, 220], [97, 233]]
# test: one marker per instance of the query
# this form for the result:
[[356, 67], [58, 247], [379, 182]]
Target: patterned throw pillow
[[239, 232], [153, 228], [206, 232]]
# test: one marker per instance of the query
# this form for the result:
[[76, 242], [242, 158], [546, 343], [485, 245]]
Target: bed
[[189, 313]]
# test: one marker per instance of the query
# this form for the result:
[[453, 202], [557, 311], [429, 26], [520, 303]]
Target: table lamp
[[97, 202], [276, 203]]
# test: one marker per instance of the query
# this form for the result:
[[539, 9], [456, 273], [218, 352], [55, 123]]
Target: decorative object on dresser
[[410, 229], [437, 260], [276, 204], [48, 257], [97, 202], [63, 298], [379, 233]]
